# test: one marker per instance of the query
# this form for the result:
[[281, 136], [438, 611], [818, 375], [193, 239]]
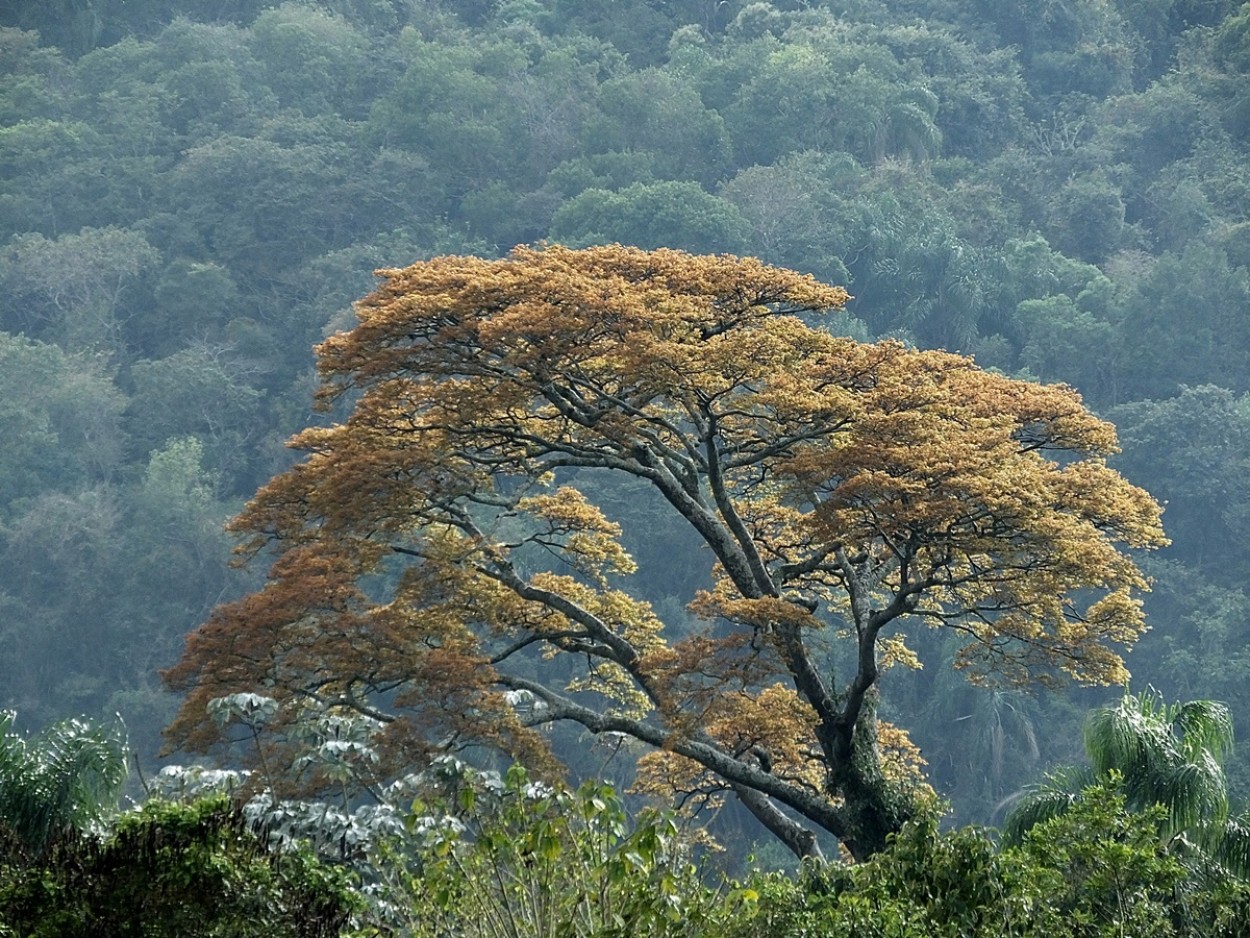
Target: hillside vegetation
[[193, 193]]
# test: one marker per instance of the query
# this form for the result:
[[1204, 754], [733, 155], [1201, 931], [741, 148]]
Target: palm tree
[[1161, 754], [63, 778]]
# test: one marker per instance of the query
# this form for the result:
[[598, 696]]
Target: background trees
[[204, 188]]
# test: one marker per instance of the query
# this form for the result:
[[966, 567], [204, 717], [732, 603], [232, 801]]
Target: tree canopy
[[440, 563], [194, 191]]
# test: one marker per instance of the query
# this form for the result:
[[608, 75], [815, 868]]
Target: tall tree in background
[[437, 569]]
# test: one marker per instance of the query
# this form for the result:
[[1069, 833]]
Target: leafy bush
[[170, 870], [1098, 871], [509, 857]]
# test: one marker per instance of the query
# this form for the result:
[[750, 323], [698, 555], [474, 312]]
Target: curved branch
[[801, 841], [711, 528], [621, 650], [764, 584], [706, 753]]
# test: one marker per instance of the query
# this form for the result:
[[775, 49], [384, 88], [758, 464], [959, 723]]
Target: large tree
[[438, 564]]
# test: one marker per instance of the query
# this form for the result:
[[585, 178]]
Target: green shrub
[[171, 871]]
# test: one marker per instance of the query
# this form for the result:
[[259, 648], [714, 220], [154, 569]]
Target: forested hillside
[[192, 194]]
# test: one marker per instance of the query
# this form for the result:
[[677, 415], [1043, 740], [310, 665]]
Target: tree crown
[[440, 546]]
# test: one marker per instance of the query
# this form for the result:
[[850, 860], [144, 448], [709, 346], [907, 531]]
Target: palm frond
[[1169, 755], [1194, 793], [66, 777], [1041, 803], [1205, 725], [1232, 849]]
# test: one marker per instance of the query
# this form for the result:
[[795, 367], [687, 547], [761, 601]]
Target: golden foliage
[[587, 540], [770, 727], [901, 761], [425, 565]]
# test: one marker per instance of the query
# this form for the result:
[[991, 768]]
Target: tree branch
[[705, 752]]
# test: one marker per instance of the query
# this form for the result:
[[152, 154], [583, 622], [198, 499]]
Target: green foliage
[[516, 858], [1198, 301], [1232, 42], [313, 61], [60, 418], [1194, 445], [203, 391], [1164, 761], [827, 93], [511, 857], [80, 305], [62, 780], [928, 883], [1097, 871], [660, 114], [173, 870], [678, 214], [1088, 216], [1168, 755], [1109, 874]]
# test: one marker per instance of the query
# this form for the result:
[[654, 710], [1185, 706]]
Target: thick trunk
[[872, 813], [873, 807]]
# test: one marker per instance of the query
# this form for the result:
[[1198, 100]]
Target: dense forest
[[193, 194]]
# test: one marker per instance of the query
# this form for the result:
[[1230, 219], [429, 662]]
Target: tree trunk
[[873, 806]]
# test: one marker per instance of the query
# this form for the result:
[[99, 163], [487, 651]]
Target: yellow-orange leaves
[[588, 541], [439, 551]]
